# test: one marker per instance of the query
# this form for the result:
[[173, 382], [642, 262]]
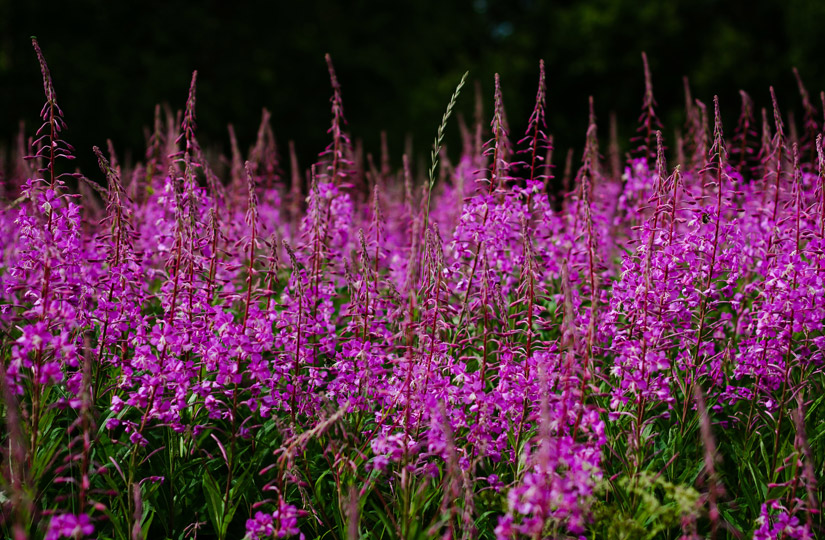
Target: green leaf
[[214, 504], [149, 514], [240, 483]]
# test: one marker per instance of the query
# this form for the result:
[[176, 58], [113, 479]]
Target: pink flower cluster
[[477, 332]]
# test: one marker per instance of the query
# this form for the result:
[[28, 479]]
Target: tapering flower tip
[[333, 79], [376, 206], [591, 112], [260, 139], [106, 168], [48, 87], [802, 89], [673, 182], [101, 159], [189, 119], [811, 124], [213, 220], [777, 116], [648, 81], [803, 92], [797, 172], [313, 179], [743, 128], [536, 123], [649, 101], [337, 102], [291, 254], [252, 204], [688, 96], [747, 103], [498, 115], [718, 148], [535, 135], [648, 122], [703, 117], [661, 164], [540, 94], [362, 241], [294, 168], [591, 150], [499, 128], [408, 186]]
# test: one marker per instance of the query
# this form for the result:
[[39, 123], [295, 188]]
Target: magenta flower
[[69, 526]]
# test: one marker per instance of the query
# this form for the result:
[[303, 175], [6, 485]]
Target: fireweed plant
[[355, 352]]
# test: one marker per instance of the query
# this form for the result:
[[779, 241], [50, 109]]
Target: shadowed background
[[397, 62]]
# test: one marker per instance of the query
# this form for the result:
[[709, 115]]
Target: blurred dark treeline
[[397, 62]]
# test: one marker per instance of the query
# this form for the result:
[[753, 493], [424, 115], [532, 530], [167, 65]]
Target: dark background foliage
[[397, 62]]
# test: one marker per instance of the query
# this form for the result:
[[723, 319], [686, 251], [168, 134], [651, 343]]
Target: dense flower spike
[[458, 354]]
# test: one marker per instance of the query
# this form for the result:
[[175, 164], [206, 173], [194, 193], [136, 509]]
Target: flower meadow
[[483, 348]]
